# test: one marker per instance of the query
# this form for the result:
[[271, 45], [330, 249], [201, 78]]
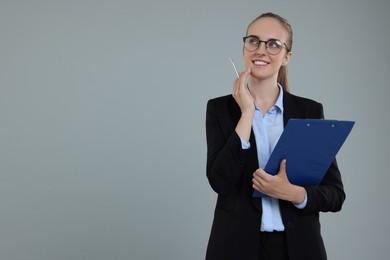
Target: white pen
[[234, 66]]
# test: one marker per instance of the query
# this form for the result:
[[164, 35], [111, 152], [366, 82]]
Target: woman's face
[[262, 64]]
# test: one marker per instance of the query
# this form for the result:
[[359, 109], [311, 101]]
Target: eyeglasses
[[273, 46]]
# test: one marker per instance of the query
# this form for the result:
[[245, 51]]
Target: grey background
[[102, 109]]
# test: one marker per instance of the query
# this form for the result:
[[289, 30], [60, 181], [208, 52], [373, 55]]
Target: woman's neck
[[264, 92]]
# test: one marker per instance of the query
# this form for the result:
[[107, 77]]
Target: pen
[[234, 66]]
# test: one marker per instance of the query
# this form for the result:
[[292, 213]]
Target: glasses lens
[[274, 46], [251, 43]]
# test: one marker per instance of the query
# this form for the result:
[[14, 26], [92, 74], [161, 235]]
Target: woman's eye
[[253, 41], [274, 44]]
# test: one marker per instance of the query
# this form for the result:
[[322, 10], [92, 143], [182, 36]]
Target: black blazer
[[236, 226]]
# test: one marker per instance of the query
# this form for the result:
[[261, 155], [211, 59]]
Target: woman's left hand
[[278, 186]]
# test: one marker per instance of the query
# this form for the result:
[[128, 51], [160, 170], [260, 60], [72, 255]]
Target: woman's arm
[[225, 156]]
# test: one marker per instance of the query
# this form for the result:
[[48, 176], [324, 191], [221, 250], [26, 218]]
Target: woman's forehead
[[268, 28]]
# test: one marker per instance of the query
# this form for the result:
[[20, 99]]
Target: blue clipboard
[[309, 146]]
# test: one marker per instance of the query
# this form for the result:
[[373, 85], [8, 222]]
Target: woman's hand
[[242, 95], [246, 103], [278, 186]]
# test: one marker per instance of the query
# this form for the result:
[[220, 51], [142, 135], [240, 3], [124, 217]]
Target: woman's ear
[[286, 58]]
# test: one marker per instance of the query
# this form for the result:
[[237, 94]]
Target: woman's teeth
[[258, 62]]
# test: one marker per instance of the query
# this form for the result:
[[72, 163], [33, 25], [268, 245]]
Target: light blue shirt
[[267, 131]]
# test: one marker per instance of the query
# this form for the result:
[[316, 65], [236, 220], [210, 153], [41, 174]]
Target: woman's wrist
[[298, 194], [244, 126]]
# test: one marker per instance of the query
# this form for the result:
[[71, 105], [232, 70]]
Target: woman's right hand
[[246, 103], [242, 94]]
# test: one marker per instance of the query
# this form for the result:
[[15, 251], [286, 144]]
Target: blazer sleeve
[[225, 156]]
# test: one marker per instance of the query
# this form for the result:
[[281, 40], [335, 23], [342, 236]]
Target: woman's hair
[[282, 74]]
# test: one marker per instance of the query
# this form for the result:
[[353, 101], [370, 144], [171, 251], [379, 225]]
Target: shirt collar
[[279, 101]]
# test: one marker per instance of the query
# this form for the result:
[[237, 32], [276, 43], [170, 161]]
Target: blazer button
[[290, 225]]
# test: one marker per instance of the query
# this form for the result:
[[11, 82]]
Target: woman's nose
[[262, 49]]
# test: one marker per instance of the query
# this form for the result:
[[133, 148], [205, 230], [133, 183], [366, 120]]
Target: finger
[[239, 84], [248, 72], [236, 87], [256, 184], [244, 87], [260, 184], [257, 173], [260, 177], [282, 167], [244, 75], [237, 81]]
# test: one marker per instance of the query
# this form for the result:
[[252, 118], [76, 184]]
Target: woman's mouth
[[260, 62]]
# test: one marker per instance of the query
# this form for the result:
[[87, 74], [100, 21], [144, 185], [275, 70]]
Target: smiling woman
[[276, 226], [102, 107], [274, 41]]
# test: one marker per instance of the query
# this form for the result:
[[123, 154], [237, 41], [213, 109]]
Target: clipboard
[[309, 146]]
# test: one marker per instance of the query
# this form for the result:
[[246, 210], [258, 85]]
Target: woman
[[242, 130]]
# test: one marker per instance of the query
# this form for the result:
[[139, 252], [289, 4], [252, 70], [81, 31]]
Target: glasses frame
[[266, 44]]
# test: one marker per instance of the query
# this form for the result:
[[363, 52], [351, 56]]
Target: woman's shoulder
[[221, 101], [302, 106], [223, 106], [300, 100]]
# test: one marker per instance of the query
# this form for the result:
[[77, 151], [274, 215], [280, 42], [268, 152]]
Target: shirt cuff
[[244, 144], [303, 204]]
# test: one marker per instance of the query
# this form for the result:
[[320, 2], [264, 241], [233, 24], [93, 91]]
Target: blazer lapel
[[288, 106]]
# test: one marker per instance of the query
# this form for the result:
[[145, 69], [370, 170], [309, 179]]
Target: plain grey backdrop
[[102, 111]]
